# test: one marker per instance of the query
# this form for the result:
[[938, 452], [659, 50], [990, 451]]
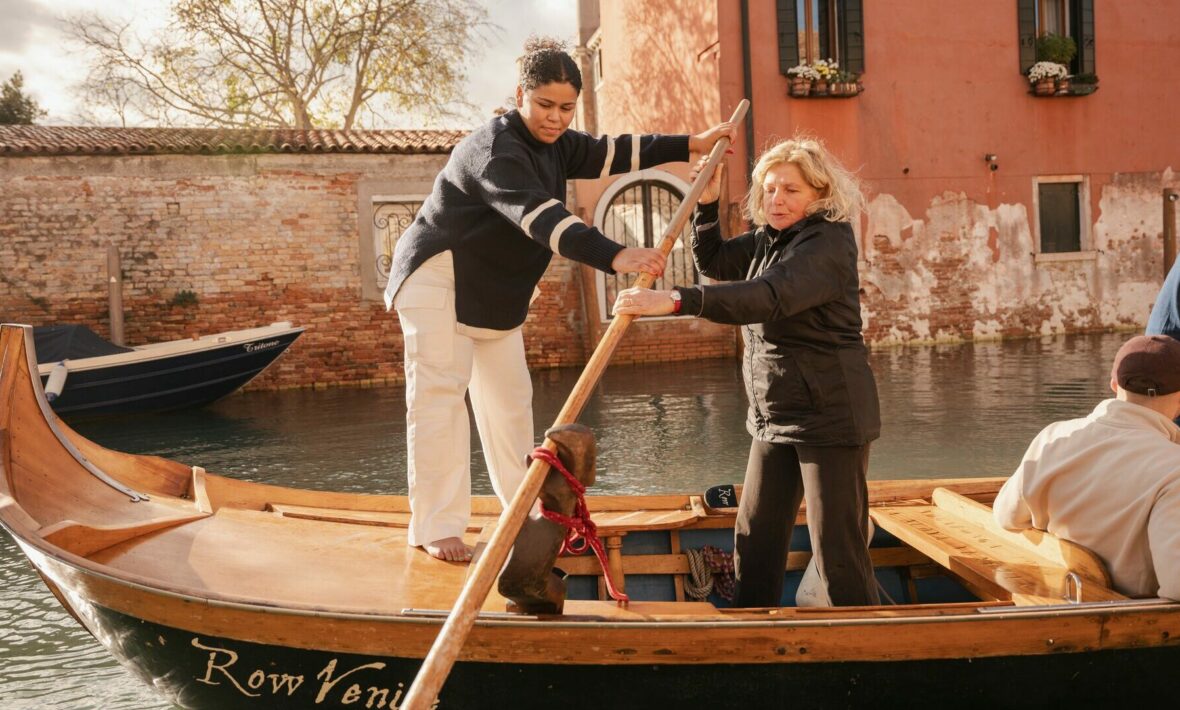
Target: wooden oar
[[449, 641]]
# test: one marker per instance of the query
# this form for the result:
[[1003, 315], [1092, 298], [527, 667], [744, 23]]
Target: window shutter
[[1026, 24], [788, 36], [1086, 37], [823, 27], [852, 38]]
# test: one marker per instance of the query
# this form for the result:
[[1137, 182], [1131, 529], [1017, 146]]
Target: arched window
[[637, 215]]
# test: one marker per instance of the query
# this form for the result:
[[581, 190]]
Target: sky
[[31, 41]]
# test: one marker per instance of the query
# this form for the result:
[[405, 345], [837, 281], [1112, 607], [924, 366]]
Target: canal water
[[947, 411]]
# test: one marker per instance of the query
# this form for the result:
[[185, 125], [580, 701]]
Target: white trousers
[[444, 360]]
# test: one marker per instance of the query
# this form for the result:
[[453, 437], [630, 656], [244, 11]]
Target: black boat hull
[[202, 672], [169, 382]]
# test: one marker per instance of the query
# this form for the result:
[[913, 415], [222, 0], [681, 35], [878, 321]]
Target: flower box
[[821, 79]]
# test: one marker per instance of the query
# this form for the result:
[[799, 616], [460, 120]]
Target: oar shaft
[[450, 639]]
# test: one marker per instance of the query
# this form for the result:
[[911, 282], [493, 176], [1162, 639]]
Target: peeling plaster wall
[[963, 270], [949, 243]]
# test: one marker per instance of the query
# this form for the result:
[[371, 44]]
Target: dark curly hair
[[545, 61]]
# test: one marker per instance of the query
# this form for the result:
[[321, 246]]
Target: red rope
[[582, 533]]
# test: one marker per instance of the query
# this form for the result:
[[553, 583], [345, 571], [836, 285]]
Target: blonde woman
[[793, 286]]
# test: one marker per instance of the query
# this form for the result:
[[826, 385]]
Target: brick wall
[[256, 239]]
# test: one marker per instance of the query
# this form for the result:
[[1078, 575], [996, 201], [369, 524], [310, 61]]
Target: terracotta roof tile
[[68, 140]]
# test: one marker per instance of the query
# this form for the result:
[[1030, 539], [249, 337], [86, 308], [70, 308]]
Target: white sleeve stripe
[[634, 153], [610, 156], [527, 222], [555, 235]]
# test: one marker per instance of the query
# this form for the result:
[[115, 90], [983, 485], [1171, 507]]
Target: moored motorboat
[[88, 376], [224, 593]]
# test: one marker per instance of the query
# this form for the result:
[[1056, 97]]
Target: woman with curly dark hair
[[465, 271]]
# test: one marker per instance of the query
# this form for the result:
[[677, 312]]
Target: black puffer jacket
[[797, 294]]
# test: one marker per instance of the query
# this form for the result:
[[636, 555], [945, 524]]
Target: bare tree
[[286, 63]]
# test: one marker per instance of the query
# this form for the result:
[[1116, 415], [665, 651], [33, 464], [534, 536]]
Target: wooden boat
[[88, 376], [223, 593]]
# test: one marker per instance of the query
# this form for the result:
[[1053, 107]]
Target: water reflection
[[951, 411]]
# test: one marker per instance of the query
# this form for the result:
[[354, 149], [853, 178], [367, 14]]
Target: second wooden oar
[[450, 639]]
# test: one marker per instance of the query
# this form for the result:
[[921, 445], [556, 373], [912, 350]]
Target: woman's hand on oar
[[644, 302], [636, 259], [712, 191], [703, 142]]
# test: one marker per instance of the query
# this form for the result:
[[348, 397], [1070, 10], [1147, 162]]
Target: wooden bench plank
[[1061, 552], [993, 565], [621, 522]]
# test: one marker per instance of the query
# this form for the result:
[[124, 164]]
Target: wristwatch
[[676, 301]]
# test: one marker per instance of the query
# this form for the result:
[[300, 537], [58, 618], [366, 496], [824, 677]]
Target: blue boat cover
[[55, 343]]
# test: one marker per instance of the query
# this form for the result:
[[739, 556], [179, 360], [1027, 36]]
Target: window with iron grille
[[638, 216], [391, 217]]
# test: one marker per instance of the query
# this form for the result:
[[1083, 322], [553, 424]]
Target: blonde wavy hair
[[839, 191]]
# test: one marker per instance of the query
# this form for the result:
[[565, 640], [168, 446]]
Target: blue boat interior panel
[[650, 587], [581, 587], [653, 542], [941, 589], [894, 582]]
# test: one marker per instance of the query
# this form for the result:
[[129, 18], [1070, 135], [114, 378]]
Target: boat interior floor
[[298, 556]]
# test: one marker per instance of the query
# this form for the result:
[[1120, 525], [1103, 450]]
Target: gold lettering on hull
[[221, 668]]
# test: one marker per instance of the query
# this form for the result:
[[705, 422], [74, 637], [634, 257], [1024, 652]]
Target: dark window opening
[[1068, 18], [809, 30], [1060, 217], [638, 216]]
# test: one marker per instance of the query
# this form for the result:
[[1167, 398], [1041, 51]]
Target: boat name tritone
[[264, 345], [334, 684]]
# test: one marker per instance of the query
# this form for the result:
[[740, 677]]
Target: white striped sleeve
[[610, 156], [527, 223], [634, 153], [560, 229]]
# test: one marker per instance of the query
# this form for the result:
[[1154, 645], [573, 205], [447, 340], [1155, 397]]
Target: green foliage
[[183, 298], [1056, 48], [16, 107]]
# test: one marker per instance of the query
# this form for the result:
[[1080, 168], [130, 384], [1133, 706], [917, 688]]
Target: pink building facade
[[992, 212]]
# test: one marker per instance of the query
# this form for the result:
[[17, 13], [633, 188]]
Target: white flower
[[804, 71], [1046, 70]]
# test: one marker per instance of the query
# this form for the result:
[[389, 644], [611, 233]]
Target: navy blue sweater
[[499, 206]]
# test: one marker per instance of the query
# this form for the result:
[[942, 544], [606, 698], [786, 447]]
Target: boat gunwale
[[51, 419], [875, 616], [146, 353]]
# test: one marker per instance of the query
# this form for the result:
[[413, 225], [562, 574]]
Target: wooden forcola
[[449, 642]]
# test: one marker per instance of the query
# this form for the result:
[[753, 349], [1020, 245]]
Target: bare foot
[[451, 549]]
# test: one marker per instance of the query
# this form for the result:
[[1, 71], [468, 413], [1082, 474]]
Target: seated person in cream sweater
[[1111, 481]]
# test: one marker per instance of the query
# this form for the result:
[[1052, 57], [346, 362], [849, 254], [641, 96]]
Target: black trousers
[[778, 477]]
